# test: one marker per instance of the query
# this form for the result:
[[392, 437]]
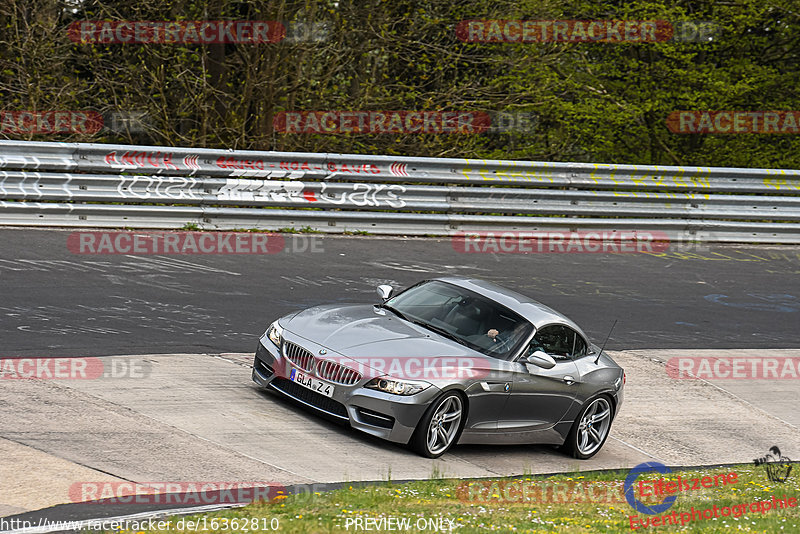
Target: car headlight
[[275, 333], [397, 387]]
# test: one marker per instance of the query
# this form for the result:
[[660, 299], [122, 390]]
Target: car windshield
[[464, 316]]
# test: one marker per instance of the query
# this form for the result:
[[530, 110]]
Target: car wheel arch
[[431, 407], [612, 401], [609, 394], [464, 400]]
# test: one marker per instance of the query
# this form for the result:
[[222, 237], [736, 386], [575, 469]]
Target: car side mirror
[[541, 359], [385, 291]]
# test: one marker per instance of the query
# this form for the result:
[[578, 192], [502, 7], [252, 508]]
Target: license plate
[[311, 383]]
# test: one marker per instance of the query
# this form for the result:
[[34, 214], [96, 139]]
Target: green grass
[[443, 502], [303, 230], [356, 232]]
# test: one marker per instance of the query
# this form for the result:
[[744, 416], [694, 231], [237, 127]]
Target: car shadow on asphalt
[[329, 423], [341, 428]]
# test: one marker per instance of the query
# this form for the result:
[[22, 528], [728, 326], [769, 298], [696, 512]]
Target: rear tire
[[440, 425], [590, 430]]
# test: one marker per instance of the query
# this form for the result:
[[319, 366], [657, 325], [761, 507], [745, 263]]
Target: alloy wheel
[[444, 424], [594, 426]]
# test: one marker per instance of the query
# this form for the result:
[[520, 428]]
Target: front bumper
[[391, 417]]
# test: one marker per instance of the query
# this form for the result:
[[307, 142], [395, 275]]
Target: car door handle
[[496, 386], [569, 380]]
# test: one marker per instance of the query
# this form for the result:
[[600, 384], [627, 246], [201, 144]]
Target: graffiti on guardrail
[[238, 165], [361, 195], [273, 190], [782, 183], [190, 189], [161, 187], [356, 194], [351, 168], [743, 205], [604, 177], [664, 180], [134, 159]]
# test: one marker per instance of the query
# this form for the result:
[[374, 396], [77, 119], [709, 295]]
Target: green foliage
[[594, 102], [302, 230]]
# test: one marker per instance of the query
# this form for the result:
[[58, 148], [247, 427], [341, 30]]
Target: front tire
[[590, 430], [440, 426]]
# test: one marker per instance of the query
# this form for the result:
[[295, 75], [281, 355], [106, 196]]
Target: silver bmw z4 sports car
[[449, 360]]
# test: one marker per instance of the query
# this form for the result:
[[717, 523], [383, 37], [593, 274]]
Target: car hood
[[360, 331]]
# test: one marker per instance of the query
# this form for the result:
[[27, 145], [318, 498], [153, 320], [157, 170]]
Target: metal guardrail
[[93, 185]]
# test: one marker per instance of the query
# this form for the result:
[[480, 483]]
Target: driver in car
[[506, 340], [491, 340]]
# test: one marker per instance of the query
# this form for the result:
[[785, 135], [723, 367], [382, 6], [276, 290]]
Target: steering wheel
[[500, 345]]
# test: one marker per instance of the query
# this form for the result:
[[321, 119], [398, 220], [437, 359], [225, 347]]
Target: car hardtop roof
[[536, 312]]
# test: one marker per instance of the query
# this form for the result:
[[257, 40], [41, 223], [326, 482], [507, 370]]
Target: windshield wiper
[[442, 332], [394, 311]]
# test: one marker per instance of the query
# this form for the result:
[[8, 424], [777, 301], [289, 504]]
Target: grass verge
[[576, 503]]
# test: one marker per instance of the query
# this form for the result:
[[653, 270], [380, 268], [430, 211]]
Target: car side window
[[559, 341]]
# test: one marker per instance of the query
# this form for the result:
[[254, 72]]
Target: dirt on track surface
[[198, 417]]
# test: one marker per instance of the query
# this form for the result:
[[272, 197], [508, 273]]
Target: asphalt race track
[[190, 324], [57, 302]]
